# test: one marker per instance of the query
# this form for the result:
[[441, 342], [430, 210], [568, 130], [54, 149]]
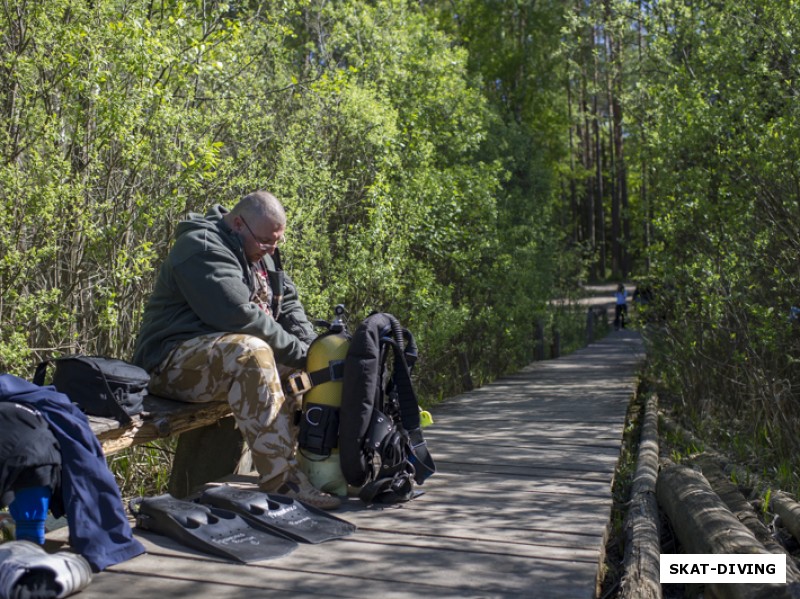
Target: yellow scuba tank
[[318, 442]]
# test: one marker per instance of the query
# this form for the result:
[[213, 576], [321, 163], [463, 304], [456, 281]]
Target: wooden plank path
[[519, 507]]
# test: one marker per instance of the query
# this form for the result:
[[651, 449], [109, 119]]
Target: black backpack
[[381, 446], [100, 386]]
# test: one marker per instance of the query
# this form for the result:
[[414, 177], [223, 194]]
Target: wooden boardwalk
[[519, 507]]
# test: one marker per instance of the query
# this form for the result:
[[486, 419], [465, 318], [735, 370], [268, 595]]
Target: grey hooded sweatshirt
[[205, 286]]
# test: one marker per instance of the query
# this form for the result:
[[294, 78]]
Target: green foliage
[[721, 130], [145, 469], [765, 503], [104, 140], [410, 184]]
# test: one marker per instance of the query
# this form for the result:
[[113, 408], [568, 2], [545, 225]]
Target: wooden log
[[704, 524], [641, 525], [789, 511], [162, 418], [741, 508]]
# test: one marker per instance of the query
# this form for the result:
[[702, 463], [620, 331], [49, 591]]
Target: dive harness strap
[[391, 489], [300, 382], [419, 456]]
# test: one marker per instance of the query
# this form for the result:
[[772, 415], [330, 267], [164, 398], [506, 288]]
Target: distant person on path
[[620, 307], [222, 317]]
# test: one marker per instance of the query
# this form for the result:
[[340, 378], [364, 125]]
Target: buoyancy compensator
[[318, 440], [381, 446]]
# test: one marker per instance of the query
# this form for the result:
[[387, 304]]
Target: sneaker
[[297, 486], [28, 570]]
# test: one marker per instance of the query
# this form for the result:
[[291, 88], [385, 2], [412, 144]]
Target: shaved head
[[261, 205]]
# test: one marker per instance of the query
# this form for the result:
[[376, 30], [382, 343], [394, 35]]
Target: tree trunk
[[588, 165], [620, 170], [614, 126], [599, 215], [573, 188]]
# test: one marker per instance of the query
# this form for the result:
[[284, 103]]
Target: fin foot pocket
[[209, 529], [278, 513]]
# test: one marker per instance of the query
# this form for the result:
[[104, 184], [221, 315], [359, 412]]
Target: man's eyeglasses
[[263, 244]]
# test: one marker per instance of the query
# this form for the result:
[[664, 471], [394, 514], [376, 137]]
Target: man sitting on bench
[[222, 315]]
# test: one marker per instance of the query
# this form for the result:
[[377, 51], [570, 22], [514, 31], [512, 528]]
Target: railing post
[[463, 366], [555, 347], [538, 349]]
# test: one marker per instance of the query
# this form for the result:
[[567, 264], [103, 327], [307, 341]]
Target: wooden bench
[[161, 418], [209, 445]]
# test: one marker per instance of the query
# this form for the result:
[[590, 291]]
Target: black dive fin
[[208, 529], [279, 514]]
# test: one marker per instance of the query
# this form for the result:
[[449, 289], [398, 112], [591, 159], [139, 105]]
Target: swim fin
[[208, 529], [279, 514]]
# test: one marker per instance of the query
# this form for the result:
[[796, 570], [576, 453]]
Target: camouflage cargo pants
[[240, 369]]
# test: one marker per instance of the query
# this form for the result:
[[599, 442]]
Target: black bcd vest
[[381, 446]]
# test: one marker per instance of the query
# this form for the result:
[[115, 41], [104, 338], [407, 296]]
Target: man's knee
[[237, 350], [206, 368], [253, 387]]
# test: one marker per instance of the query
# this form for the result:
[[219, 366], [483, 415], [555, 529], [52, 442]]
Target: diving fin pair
[[208, 529], [278, 514]]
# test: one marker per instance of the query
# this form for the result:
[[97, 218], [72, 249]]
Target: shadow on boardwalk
[[519, 507]]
